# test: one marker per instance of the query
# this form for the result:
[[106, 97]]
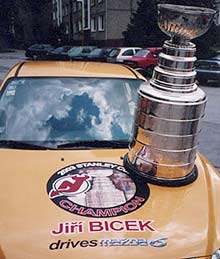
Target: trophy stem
[[176, 40]]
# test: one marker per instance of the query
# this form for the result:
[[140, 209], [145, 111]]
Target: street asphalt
[[210, 134], [9, 59], [209, 137]]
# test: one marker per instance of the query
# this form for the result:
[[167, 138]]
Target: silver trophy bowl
[[184, 23]]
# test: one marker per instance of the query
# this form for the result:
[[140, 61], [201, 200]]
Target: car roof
[[81, 47], [72, 69], [41, 44], [153, 48], [123, 48]]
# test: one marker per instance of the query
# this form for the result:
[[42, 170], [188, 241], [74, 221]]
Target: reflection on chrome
[[104, 193], [170, 107]]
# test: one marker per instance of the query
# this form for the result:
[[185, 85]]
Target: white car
[[120, 54]]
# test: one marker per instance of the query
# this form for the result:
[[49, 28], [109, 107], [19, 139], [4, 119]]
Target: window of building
[[93, 24], [101, 22], [79, 6], [54, 16], [75, 27], [86, 22], [74, 7], [63, 10], [92, 2], [80, 26], [67, 29], [217, 16], [66, 10]]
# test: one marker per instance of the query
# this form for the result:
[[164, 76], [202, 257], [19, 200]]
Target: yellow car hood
[[161, 222]]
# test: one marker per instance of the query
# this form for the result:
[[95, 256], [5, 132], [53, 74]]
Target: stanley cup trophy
[[170, 107]]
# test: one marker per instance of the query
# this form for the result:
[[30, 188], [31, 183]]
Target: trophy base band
[[150, 178]]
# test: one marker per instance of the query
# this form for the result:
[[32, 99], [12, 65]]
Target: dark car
[[60, 53], [38, 51], [146, 59], [99, 54], [80, 53], [208, 69]]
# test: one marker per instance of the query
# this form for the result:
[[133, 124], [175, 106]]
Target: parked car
[[118, 55], [208, 69], [80, 53], [99, 54], [146, 59], [65, 191], [60, 53], [38, 51]]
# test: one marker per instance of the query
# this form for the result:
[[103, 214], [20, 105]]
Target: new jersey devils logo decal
[[71, 185], [96, 189]]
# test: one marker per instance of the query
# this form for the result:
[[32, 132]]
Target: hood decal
[[96, 189]]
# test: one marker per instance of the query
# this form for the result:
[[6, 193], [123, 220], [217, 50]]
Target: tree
[[200, 3], [57, 35], [32, 21], [6, 23], [143, 29]]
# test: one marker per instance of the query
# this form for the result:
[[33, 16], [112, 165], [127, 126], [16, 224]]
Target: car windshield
[[75, 50], [36, 46], [142, 53], [113, 53], [58, 50], [47, 45], [61, 110]]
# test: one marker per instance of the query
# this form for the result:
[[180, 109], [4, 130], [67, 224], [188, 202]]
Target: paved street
[[8, 59], [210, 135]]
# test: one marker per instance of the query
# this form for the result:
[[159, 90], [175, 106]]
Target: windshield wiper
[[95, 144], [21, 145]]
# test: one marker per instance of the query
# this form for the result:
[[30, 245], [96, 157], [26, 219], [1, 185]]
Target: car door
[[113, 54], [127, 53]]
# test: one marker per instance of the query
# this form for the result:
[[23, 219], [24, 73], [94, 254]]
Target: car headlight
[[216, 255]]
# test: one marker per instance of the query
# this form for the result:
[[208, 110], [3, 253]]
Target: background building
[[96, 22], [217, 20]]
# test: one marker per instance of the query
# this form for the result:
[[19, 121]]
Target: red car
[[146, 59]]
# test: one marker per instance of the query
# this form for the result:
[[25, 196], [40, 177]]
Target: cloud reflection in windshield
[[69, 109]]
